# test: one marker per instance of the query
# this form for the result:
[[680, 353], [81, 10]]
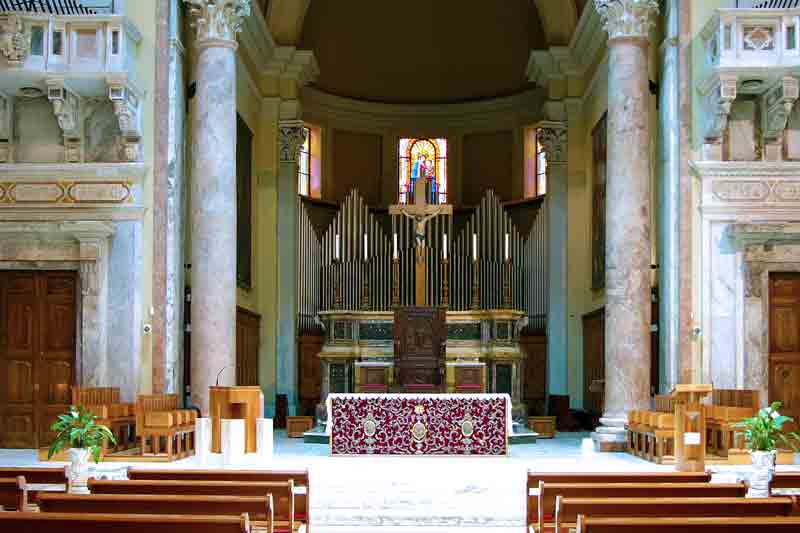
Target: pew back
[[789, 524], [786, 480], [56, 475], [121, 523], [13, 493]]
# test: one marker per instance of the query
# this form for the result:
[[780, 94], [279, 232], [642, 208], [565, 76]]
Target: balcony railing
[[58, 7]]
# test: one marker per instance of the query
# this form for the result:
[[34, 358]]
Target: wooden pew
[[549, 491], [790, 524], [159, 419], [299, 477], [532, 486], [121, 523], [258, 508], [568, 509], [13, 493], [786, 480], [51, 475], [282, 492], [104, 403]]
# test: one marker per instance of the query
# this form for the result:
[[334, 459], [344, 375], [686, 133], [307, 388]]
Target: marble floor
[[419, 494]]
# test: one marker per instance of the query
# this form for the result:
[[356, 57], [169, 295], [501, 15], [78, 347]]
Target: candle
[[507, 252], [444, 246], [365, 247], [395, 246], [337, 248], [474, 246]]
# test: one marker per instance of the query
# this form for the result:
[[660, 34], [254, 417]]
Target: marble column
[[553, 138], [628, 247], [291, 134], [213, 195]]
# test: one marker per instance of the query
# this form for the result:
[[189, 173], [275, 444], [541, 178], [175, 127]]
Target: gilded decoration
[[419, 431], [627, 18], [370, 425], [467, 426], [66, 192]]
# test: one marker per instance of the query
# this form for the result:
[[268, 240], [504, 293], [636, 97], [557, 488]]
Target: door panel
[[784, 343], [37, 352]]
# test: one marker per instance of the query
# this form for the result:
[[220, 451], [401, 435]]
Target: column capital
[[627, 18], [218, 21], [553, 137], [291, 136]]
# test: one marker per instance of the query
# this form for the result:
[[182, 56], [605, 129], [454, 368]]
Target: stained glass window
[[304, 166], [427, 159], [541, 169]]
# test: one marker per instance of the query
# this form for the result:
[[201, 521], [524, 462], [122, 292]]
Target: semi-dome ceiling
[[422, 51]]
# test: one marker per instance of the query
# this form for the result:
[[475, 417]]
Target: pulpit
[[690, 427], [246, 403]]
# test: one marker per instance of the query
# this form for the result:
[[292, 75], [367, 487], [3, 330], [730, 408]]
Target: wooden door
[[248, 338], [784, 342], [420, 334], [37, 354], [594, 334], [308, 348]]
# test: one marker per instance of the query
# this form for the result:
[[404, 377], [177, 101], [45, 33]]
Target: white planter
[[763, 470], [78, 469]]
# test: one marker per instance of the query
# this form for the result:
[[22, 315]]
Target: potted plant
[[78, 432], [764, 432]]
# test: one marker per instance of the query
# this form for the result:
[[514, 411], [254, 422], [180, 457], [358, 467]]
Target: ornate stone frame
[[81, 246]]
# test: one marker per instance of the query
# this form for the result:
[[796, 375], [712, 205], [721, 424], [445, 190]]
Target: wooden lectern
[[690, 427], [246, 403]]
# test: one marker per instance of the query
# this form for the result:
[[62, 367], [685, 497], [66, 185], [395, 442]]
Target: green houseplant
[[764, 433], [82, 436]]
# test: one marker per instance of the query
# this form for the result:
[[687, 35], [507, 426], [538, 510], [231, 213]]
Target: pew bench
[[104, 403], [13, 493], [164, 430], [121, 523], [35, 476], [568, 509], [299, 477], [548, 492], [282, 493], [786, 480], [258, 508], [790, 524], [532, 486]]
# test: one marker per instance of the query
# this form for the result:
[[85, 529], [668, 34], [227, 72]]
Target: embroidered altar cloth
[[419, 424]]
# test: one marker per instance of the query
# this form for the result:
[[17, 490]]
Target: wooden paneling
[[593, 360], [248, 339], [356, 165], [419, 337], [37, 354], [535, 385], [784, 342], [487, 161], [308, 348]]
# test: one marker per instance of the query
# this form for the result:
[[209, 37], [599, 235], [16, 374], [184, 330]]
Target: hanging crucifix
[[420, 212]]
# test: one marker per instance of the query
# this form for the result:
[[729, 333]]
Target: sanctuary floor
[[419, 494]]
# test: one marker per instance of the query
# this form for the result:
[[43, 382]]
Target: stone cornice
[[133, 172], [627, 18], [745, 169], [290, 63], [483, 115], [256, 39]]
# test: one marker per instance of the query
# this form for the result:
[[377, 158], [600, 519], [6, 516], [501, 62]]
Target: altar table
[[419, 424]]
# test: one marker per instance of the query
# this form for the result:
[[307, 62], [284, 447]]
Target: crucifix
[[420, 212]]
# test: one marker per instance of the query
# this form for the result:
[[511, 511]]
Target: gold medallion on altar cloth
[[419, 409], [418, 431], [467, 426], [370, 426]]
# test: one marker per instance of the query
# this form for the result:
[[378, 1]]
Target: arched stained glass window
[[427, 159]]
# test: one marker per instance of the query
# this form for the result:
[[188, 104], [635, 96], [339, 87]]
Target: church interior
[[251, 247]]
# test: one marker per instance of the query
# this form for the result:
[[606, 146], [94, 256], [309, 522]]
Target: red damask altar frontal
[[419, 424]]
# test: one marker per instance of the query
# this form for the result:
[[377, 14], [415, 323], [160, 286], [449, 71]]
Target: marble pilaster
[[628, 247], [553, 137], [213, 194]]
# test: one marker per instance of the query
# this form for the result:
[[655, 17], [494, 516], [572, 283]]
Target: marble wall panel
[[723, 310], [38, 138], [792, 135], [741, 131], [103, 136]]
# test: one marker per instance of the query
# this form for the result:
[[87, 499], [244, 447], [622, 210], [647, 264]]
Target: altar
[[419, 424]]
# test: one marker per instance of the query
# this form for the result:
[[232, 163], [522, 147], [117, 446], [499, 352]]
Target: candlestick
[[365, 286], [395, 256], [474, 246], [444, 247], [445, 281], [476, 286], [507, 251], [396, 282], [508, 302], [338, 248]]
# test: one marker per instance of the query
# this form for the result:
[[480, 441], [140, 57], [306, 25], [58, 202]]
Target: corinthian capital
[[218, 20], [627, 18], [291, 136], [553, 138]]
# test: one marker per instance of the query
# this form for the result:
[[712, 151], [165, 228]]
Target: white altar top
[[413, 396]]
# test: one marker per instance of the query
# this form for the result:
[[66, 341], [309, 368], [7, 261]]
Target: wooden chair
[[729, 406], [282, 492], [549, 491], [105, 404], [651, 431], [258, 508], [13, 493], [298, 477], [121, 523], [158, 418], [789, 524], [568, 509], [532, 486]]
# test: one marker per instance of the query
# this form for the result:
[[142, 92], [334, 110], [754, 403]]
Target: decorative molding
[[719, 102], [129, 172], [15, 39], [289, 63], [764, 189], [291, 136], [745, 235], [6, 128], [56, 192], [553, 136], [778, 104], [66, 107], [126, 102], [218, 21], [627, 18]]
